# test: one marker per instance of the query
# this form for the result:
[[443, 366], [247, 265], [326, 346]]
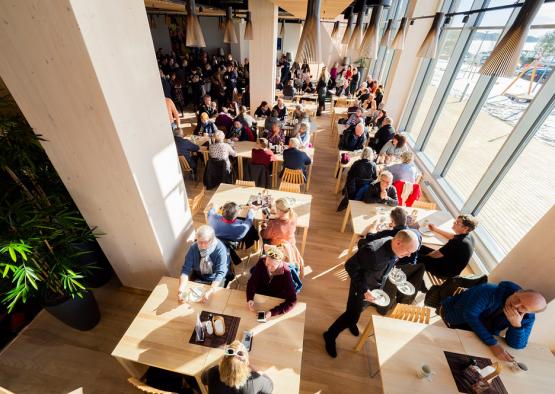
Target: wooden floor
[[51, 358]]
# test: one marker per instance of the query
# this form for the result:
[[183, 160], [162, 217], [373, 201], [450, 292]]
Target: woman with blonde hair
[[282, 227], [234, 375]]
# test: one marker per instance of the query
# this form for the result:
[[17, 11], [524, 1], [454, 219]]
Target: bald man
[[368, 269], [490, 308]]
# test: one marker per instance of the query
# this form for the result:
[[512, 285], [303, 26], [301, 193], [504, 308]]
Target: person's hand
[[513, 316], [206, 296], [264, 224], [432, 227], [383, 195], [501, 353], [368, 296], [235, 139], [250, 305], [180, 296], [268, 315]]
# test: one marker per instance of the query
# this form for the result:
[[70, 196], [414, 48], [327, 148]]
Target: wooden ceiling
[[330, 8]]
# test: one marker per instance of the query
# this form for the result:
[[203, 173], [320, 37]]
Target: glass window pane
[[506, 102], [526, 192]]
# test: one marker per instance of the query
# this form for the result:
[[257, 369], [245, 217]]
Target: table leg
[[337, 166], [201, 385], [303, 244], [352, 245], [274, 174], [347, 213], [308, 177], [240, 167], [366, 333], [134, 369], [338, 183]]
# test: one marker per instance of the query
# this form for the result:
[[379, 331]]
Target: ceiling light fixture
[[194, 36], [386, 34], [248, 28], [348, 28], [399, 40], [429, 47], [309, 44], [369, 46], [356, 37], [230, 37]]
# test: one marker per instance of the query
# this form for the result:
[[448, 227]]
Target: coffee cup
[[425, 372]]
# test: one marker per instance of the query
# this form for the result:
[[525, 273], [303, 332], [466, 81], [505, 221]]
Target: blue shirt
[[220, 263], [234, 231], [481, 307], [296, 159]]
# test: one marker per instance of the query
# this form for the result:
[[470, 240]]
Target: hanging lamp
[[386, 34], [248, 28], [356, 37], [229, 34], [369, 46], [309, 44], [349, 28], [194, 35], [504, 58], [430, 45], [399, 40], [335, 30]]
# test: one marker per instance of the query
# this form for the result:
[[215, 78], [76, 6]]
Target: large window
[[526, 192]]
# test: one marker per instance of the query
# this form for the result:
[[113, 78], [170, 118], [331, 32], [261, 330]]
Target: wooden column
[[262, 51], [85, 77]]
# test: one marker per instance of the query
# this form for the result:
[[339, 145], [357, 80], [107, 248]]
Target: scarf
[[205, 261]]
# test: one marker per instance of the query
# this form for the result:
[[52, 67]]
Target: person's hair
[[294, 142], [206, 96], [387, 119], [243, 109], [384, 113], [303, 125], [234, 370], [468, 221], [219, 136], [299, 107], [275, 252], [263, 142], [401, 140], [387, 174], [178, 132], [205, 233], [275, 113], [367, 153], [229, 211], [263, 104], [399, 216], [283, 205], [204, 116], [405, 236], [407, 157]]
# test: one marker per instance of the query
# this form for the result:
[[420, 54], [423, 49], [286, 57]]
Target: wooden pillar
[[263, 51], [85, 77]]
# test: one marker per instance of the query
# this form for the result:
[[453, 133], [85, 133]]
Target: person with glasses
[[234, 375]]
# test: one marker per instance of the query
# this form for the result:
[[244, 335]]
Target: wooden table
[[244, 151], [240, 195], [159, 336], [339, 167], [404, 346], [363, 214]]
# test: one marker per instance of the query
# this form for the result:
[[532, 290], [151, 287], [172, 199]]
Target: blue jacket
[[184, 148], [230, 231], [296, 159], [220, 263], [480, 304]]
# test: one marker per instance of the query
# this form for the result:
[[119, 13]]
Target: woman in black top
[[361, 173], [234, 376], [263, 110], [322, 90]]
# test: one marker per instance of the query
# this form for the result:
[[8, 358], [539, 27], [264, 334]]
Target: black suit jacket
[[373, 195]]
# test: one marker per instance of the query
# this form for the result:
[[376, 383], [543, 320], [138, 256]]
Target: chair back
[[240, 182], [293, 176], [185, 167], [290, 187], [139, 385], [342, 102], [417, 314], [424, 205], [196, 202]]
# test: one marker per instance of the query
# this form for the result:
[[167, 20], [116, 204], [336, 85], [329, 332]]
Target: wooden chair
[[293, 176], [289, 187], [240, 182], [424, 205], [140, 385], [341, 102], [196, 202], [434, 279], [185, 167], [417, 314]]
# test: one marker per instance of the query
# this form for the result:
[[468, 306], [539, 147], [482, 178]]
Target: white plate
[[406, 288], [380, 297]]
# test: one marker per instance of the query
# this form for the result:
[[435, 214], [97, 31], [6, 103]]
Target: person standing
[[368, 269], [322, 90]]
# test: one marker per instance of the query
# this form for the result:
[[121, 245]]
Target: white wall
[[290, 42]]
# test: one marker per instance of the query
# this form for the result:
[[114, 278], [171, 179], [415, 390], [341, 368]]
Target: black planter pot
[[80, 313], [100, 276]]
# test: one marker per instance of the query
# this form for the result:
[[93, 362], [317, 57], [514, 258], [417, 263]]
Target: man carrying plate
[[368, 269]]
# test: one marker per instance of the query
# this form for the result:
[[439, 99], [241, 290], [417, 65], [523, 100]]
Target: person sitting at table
[[186, 148], [234, 375], [271, 276], [263, 110], [353, 140], [206, 261], [384, 134], [381, 191], [395, 147], [238, 132], [219, 150], [282, 227], [449, 260], [362, 173], [355, 117], [205, 125], [377, 118], [369, 105], [405, 171], [261, 155], [352, 109], [304, 134], [298, 114], [281, 109], [362, 92], [271, 120], [289, 90], [368, 269], [275, 135], [206, 107], [224, 121], [294, 158], [489, 308], [227, 226], [245, 118]]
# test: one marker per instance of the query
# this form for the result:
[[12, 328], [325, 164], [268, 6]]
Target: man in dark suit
[[382, 191], [384, 134], [294, 158]]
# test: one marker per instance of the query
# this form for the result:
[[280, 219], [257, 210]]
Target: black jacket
[[361, 170], [184, 148], [384, 134], [373, 195], [349, 141], [296, 159], [412, 259]]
